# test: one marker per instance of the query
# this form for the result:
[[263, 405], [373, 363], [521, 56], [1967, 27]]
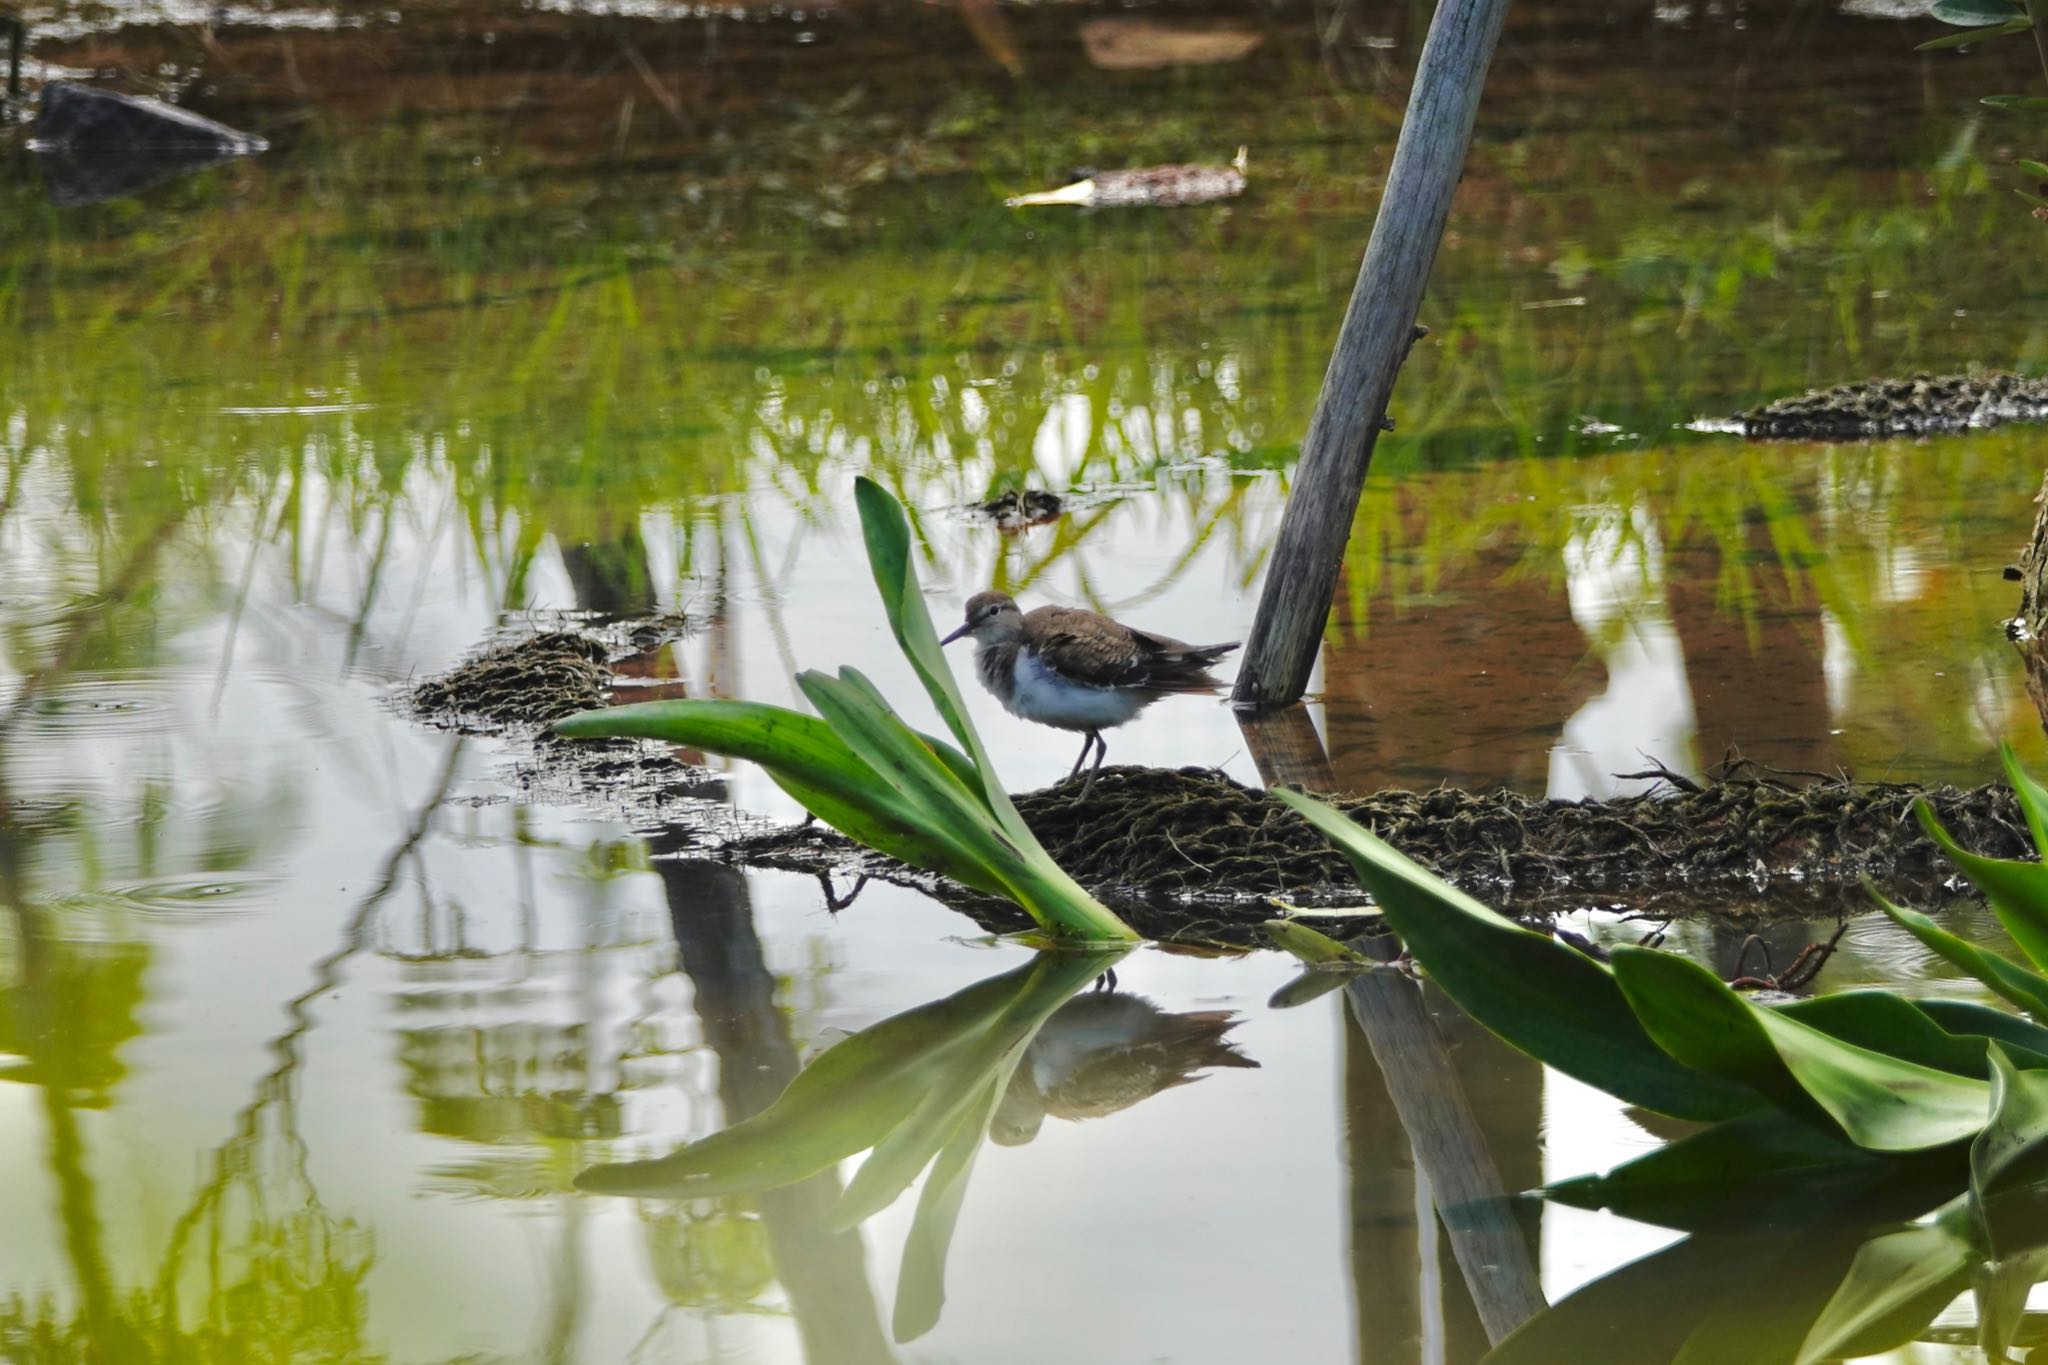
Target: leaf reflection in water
[[923, 1088]]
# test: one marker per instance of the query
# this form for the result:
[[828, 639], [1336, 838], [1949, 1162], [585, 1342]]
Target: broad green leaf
[[921, 1286], [2009, 1159], [2024, 988], [2018, 892], [1310, 945], [847, 1100], [993, 1051], [2026, 104], [1883, 1021], [1642, 1313], [1971, 37], [950, 807], [2037, 800], [887, 532], [1895, 1286], [1977, 13], [2026, 1041], [1551, 1001], [807, 760], [1770, 1319], [1879, 1102], [2032, 796], [1313, 984], [2001, 1289], [961, 765], [1744, 1175]]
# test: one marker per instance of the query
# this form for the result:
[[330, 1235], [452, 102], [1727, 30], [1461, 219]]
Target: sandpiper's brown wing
[[1085, 646], [1089, 647]]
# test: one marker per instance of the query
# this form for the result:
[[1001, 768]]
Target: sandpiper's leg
[[1087, 743], [1101, 749]]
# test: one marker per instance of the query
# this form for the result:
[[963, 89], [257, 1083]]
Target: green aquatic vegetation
[[1822, 1111], [917, 1092], [1982, 21], [858, 767]]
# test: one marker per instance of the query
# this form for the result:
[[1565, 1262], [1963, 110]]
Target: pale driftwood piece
[[1378, 330], [1450, 1151]]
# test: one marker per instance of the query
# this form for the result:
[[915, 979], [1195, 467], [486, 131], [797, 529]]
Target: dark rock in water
[[93, 145], [1916, 406], [1022, 508]]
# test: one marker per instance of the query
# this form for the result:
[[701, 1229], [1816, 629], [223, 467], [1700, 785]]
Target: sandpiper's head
[[991, 618]]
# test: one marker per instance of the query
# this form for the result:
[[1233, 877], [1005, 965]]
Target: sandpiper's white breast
[[1049, 698]]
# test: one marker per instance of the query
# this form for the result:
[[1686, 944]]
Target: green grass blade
[[1879, 1102], [2024, 988], [2018, 892], [1552, 1002]]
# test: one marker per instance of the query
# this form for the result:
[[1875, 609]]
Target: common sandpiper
[[1078, 670]]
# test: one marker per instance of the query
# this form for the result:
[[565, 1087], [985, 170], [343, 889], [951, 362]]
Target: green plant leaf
[[1642, 1313], [950, 808], [1897, 1283], [993, 1051], [2009, 1160], [2025, 1040], [2024, 988], [2026, 104], [1312, 946], [2032, 797], [2018, 892], [1886, 1022], [1551, 1001], [886, 530], [1760, 1170], [2039, 170], [848, 1099], [921, 1285], [1971, 37], [1977, 13], [1879, 1102], [806, 759]]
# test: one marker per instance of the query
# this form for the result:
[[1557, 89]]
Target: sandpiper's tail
[[1172, 666]]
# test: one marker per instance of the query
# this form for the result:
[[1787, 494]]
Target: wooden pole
[[1450, 1152], [1378, 330]]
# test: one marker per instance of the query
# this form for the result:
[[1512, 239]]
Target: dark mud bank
[[1194, 856]]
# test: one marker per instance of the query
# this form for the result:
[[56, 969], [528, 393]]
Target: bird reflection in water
[[1103, 1052]]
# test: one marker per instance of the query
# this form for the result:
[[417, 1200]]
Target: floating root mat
[[1173, 849]]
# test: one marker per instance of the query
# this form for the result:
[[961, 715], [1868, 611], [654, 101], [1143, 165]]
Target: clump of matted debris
[[534, 676], [1192, 854], [1920, 405]]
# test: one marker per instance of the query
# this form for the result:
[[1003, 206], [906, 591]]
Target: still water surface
[[312, 1017]]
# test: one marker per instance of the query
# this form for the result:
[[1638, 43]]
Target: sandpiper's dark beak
[[954, 636]]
